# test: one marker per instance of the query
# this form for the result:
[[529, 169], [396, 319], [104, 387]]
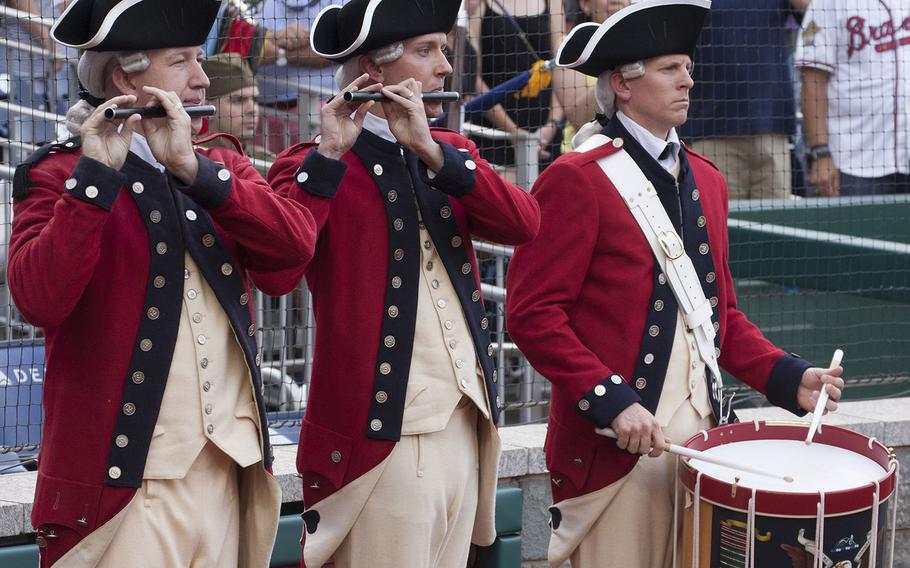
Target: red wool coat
[[581, 303], [365, 208], [92, 251]]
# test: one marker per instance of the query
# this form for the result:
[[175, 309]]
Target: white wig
[[350, 69], [606, 98], [603, 92], [94, 71]]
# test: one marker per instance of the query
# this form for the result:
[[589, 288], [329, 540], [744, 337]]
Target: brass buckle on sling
[[671, 244]]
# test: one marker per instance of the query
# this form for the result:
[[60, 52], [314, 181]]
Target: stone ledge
[[522, 456]]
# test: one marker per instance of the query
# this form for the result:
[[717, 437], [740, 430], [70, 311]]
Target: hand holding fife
[[103, 140], [408, 122], [341, 121], [171, 138], [638, 431]]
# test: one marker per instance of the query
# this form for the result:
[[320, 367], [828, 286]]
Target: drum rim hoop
[[798, 504]]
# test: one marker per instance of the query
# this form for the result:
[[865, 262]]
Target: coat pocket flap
[[68, 503], [569, 455], [323, 451]]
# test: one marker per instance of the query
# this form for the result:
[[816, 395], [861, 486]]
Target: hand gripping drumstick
[[822, 399], [705, 457]]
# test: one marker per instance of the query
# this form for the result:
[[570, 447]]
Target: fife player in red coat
[[399, 450], [134, 252], [594, 313]]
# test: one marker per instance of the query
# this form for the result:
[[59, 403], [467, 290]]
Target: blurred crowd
[[791, 97]]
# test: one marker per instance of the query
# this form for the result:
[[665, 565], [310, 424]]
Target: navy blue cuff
[[603, 403], [319, 175], [457, 176], [95, 183], [212, 185], [786, 376]]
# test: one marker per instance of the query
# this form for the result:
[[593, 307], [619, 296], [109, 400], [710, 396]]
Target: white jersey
[[865, 46]]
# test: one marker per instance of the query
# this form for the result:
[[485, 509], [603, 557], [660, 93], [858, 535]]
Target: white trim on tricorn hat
[[378, 23], [103, 30], [133, 25], [364, 30], [628, 35]]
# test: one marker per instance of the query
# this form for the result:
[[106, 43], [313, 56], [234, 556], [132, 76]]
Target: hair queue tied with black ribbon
[[434, 97], [195, 111]]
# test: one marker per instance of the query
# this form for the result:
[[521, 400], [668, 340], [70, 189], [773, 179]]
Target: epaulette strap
[[591, 143], [20, 181], [20, 177], [232, 140]]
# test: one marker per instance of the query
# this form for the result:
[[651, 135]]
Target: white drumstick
[[697, 455], [822, 399]]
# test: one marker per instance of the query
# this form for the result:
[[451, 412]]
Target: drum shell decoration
[[784, 522]]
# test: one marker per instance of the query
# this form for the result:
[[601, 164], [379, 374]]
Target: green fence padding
[[21, 556], [820, 260], [504, 553], [815, 274], [287, 541], [508, 510], [876, 217]]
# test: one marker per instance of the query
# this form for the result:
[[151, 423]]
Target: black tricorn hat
[[360, 26], [135, 25], [647, 29]]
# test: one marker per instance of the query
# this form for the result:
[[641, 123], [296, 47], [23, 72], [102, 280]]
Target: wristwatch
[[818, 151]]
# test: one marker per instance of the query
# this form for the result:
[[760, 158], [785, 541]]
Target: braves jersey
[[865, 47]]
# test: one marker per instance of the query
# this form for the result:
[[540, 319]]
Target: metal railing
[[525, 144], [6, 11], [48, 58]]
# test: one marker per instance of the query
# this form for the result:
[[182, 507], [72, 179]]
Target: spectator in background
[[296, 67], [855, 60], [743, 108], [575, 90], [32, 79], [237, 31], [510, 36], [233, 91]]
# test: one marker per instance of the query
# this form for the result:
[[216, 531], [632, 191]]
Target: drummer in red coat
[[399, 450], [134, 252], [625, 300]]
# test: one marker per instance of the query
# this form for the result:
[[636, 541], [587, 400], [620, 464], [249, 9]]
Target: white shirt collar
[[378, 126], [653, 145], [140, 146]]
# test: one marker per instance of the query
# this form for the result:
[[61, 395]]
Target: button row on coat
[[378, 170]]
